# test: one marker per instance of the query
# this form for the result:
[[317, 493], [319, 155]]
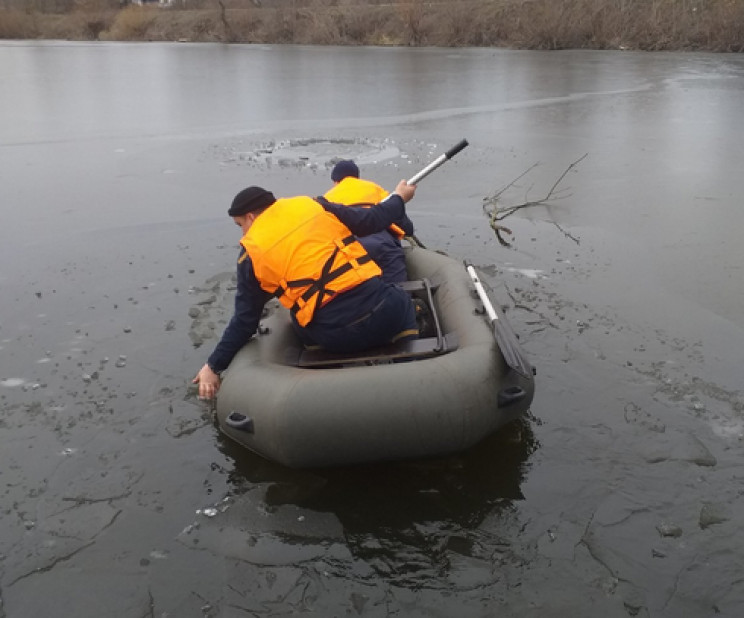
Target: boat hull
[[306, 418]]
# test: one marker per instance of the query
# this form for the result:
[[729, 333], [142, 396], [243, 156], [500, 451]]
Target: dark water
[[620, 495]]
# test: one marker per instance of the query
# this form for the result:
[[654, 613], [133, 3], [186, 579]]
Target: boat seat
[[414, 349], [418, 285]]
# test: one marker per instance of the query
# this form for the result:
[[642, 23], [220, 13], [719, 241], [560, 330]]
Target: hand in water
[[208, 381]]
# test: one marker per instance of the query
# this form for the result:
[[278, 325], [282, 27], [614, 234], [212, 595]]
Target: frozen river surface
[[620, 495]]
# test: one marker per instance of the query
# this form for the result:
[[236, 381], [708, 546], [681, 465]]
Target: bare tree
[[412, 13], [229, 33]]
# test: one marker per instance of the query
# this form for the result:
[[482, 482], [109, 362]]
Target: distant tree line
[[55, 6], [66, 6], [653, 25]]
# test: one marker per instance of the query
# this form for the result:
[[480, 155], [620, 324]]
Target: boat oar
[[437, 162], [440, 160], [505, 337]]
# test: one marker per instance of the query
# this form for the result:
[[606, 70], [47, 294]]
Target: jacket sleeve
[[250, 299], [405, 224], [362, 220]]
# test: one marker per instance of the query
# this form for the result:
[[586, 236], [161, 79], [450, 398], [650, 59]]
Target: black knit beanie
[[344, 168], [250, 199]]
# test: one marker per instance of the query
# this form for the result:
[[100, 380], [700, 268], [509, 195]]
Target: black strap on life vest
[[318, 286]]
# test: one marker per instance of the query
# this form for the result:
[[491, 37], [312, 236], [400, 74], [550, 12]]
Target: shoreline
[[646, 25]]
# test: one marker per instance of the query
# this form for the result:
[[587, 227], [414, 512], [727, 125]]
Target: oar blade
[[508, 343], [505, 337]]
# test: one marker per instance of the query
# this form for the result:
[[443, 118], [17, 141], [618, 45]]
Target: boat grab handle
[[510, 395], [236, 420]]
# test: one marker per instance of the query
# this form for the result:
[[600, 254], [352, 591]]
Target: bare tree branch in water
[[495, 213]]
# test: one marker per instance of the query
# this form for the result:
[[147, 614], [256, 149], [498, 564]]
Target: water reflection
[[408, 521]]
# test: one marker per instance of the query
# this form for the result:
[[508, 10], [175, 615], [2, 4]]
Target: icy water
[[620, 494]]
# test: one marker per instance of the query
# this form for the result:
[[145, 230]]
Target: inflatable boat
[[434, 396]]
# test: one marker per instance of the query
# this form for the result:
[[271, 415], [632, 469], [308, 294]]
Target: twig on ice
[[496, 214]]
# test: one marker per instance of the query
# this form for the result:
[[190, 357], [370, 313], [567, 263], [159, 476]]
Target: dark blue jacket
[[250, 298], [387, 251]]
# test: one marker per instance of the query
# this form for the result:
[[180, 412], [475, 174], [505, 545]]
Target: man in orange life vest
[[384, 246], [306, 254]]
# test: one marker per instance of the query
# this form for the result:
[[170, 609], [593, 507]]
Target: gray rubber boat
[[431, 397]]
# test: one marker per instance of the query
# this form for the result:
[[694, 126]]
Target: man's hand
[[208, 381], [405, 190]]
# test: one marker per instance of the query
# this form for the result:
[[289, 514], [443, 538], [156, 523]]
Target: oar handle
[[456, 148], [437, 162], [490, 311]]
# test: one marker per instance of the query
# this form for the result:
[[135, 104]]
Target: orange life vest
[[359, 192], [305, 256]]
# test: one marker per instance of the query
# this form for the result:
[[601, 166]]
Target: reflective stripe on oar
[[505, 337]]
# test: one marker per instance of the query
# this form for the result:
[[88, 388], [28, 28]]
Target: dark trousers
[[391, 318]]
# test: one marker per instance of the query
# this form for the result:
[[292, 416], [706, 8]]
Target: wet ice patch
[[530, 273], [215, 510], [728, 428], [327, 152], [721, 408], [12, 382], [315, 153]]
